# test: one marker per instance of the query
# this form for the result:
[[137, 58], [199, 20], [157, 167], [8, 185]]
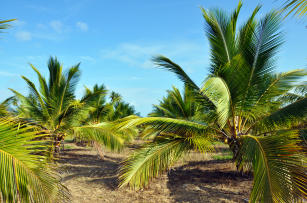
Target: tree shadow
[[208, 181], [91, 167]]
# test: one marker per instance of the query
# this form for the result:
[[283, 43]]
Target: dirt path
[[91, 179]]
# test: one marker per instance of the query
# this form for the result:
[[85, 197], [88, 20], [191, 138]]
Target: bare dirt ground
[[198, 178]]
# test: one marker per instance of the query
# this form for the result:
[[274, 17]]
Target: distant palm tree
[[120, 108], [97, 127], [176, 105], [240, 100]]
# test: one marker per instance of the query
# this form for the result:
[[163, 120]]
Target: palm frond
[[105, 134], [150, 161], [297, 7], [25, 174], [278, 166], [217, 92]]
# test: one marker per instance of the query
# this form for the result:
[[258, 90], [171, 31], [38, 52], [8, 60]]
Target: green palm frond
[[221, 33], [218, 93], [284, 118], [150, 161], [297, 7], [25, 174], [167, 125], [278, 166], [106, 134], [4, 24], [166, 63], [156, 157]]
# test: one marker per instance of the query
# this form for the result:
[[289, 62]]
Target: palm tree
[[53, 106], [98, 126], [176, 105], [240, 100]]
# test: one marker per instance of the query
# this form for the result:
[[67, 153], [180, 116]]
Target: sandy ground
[[198, 178]]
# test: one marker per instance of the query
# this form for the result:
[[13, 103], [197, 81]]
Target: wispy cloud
[[57, 26], [189, 54], [23, 35], [7, 74], [82, 26]]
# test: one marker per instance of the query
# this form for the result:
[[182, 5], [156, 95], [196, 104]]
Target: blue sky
[[115, 41]]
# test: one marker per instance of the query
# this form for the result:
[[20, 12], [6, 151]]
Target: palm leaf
[[25, 175], [279, 173]]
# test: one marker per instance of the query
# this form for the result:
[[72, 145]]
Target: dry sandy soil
[[198, 178]]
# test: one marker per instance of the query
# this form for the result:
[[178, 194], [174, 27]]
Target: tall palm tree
[[240, 98]]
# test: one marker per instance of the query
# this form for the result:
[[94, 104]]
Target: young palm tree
[[53, 106], [240, 98]]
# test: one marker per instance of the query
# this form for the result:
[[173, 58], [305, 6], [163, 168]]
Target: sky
[[116, 40]]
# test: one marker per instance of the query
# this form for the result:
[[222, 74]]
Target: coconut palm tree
[[240, 98], [53, 106], [97, 126]]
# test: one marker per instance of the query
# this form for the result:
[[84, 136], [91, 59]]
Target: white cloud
[[87, 58], [23, 35], [82, 26], [187, 54], [57, 26], [7, 74]]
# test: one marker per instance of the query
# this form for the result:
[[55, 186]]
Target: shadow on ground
[[208, 181], [91, 179], [90, 167]]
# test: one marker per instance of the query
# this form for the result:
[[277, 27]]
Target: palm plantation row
[[243, 102]]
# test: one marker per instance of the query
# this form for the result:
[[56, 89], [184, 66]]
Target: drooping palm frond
[[25, 174], [278, 166], [166, 63], [156, 157], [104, 133], [284, 118]]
